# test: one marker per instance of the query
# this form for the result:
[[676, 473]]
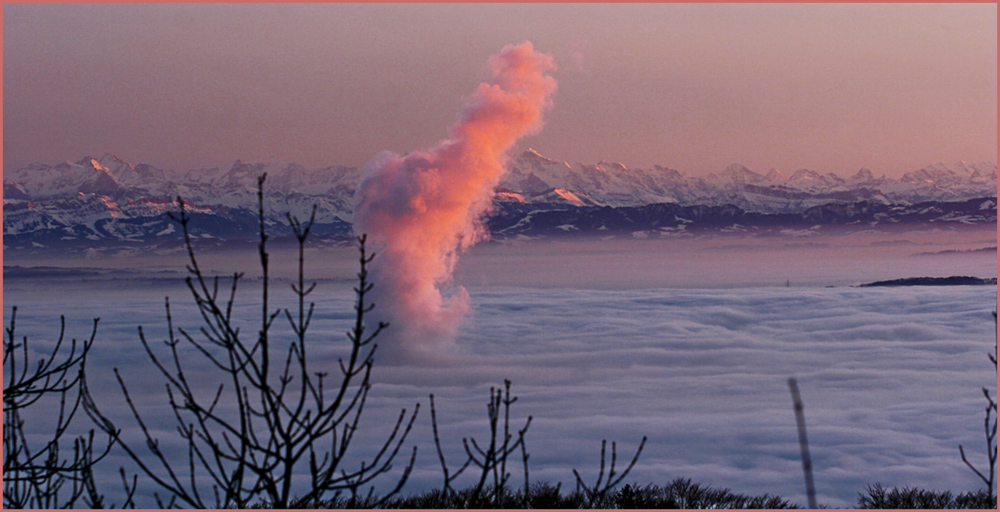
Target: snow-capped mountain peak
[[92, 162], [111, 160], [108, 198], [737, 174], [531, 153], [864, 175], [612, 167], [946, 174], [804, 175], [530, 176], [776, 176]]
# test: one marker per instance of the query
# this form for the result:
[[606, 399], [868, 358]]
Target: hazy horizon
[[844, 173], [832, 88]]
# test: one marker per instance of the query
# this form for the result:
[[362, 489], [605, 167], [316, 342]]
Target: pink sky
[[696, 87]]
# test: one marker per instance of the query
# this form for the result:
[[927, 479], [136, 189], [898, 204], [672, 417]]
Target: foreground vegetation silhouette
[[273, 433], [40, 475], [271, 418], [989, 428]]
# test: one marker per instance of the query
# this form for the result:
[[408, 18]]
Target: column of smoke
[[421, 210]]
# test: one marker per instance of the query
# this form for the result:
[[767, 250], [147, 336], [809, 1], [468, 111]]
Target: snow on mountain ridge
[[864, 175], [107, 197], [748, 189], [738, 174], [776, 176], [530, 176]]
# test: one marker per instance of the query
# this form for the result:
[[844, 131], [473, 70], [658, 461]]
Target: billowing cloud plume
[[423, 209]]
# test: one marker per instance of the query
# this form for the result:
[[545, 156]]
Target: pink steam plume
[[421, 210]]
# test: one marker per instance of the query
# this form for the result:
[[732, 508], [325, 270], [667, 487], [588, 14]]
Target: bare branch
[[254, 429]]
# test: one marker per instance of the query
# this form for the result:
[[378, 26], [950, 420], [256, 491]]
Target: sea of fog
[[687, 342]]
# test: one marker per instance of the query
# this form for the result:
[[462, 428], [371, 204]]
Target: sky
[[694, 87]]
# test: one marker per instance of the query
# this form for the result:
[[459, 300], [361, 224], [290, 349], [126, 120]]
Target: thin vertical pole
[[800, 420]]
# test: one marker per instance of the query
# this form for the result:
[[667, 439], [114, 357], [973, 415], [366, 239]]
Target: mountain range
[[108, 201]]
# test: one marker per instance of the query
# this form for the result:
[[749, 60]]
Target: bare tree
[[492, 487], [267, 431], [40, 475], [597, 493], [989, 427], [491, 459]]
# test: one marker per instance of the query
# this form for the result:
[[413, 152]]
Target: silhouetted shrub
[[678, 494], [876, 496]]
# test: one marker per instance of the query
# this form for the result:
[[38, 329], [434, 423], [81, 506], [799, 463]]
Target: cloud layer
[[890, 378]]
